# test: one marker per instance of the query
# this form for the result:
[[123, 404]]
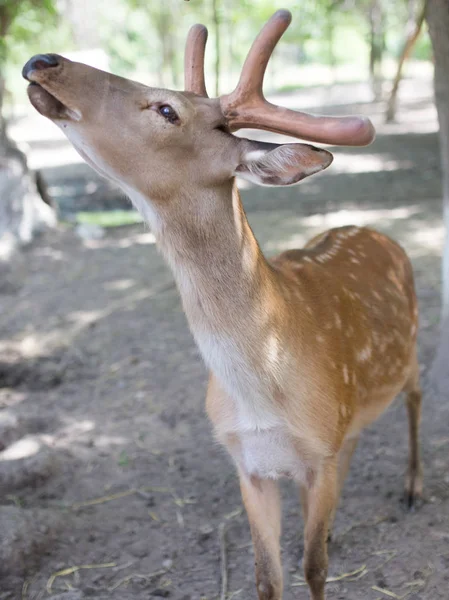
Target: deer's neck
[[230, 296], [221, 273]]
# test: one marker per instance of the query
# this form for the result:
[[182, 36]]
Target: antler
[[194, 60], [246, 106]]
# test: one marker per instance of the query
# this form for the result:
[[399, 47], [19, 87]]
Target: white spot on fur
[[364, 354], [237, 212], [345, 374], [272, 349], [249, 258]]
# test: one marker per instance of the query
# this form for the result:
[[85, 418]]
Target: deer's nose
[[40, 62]]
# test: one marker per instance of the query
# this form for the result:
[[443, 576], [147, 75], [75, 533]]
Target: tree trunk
[[438, 21], [217, 32], [377, 43], [330, 35], [22, 211], [414, 29], [83, 18]]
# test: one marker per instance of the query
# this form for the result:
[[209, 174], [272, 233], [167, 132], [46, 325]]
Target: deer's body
[[317, 355], [304, 350]]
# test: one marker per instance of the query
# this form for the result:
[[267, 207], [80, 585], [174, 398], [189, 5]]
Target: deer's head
[[158, 141]]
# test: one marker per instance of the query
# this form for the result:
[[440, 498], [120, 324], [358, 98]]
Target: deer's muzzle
[[41, 70]]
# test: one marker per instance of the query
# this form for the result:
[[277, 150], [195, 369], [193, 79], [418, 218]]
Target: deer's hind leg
[[344, 462], [414, 479], [319, 496]]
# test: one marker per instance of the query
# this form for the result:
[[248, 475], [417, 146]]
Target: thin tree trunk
[[2, 120], [412, 37], [232, 42], [173, 59], [216, 21], [377, 43], [22, 211], [438, 21], [331, 42], [83, 18]]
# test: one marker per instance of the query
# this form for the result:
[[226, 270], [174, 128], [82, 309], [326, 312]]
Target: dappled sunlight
[[417, 120], [406, 224], [24, 448], [48, 252], [297, 240], [126, 241], [367, 163], [40, 343], [67, 436], [10, 398], [28, 347], [144, 238], [358, 217], [64, 155], [70, 433], [106, 441], [83, 318], [119, 285], [427, 239]]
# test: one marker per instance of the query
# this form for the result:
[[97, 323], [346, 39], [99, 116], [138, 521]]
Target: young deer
[[306, 349]]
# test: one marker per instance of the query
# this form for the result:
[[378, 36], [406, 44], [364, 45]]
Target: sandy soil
[[101, 408]]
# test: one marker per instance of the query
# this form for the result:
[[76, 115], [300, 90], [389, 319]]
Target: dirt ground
[[106, 447]]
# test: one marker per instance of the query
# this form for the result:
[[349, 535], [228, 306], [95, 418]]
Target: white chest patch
[[270, 454]]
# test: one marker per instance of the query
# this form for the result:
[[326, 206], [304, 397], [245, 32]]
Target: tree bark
[[217, 30], [414, 29], [330, 35], [22, 210], [377, 44], [438, 21], [23, 213]]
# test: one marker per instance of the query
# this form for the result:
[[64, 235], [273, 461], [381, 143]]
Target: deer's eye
[[168, 113]]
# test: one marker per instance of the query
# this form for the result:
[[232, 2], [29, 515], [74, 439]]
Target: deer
[[304, 349]]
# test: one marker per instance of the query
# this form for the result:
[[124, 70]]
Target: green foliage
[[423, 48], [148, 38], [110, 218], [21, 20]]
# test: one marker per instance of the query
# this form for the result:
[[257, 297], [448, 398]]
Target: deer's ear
[[280, 164]]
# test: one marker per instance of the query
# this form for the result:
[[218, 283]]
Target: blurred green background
[[328, 41]]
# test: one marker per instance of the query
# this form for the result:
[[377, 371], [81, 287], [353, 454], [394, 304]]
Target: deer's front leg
[[321, 501], [262, 503]]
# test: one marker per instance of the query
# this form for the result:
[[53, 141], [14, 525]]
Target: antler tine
[[253, 71], [246, 106], [194, 60]]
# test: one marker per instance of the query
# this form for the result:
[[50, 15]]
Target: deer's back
[[354, 295]]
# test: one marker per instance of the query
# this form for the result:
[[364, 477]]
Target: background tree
[[438, 21], [376, 16], [22, 210], [413, 30]]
